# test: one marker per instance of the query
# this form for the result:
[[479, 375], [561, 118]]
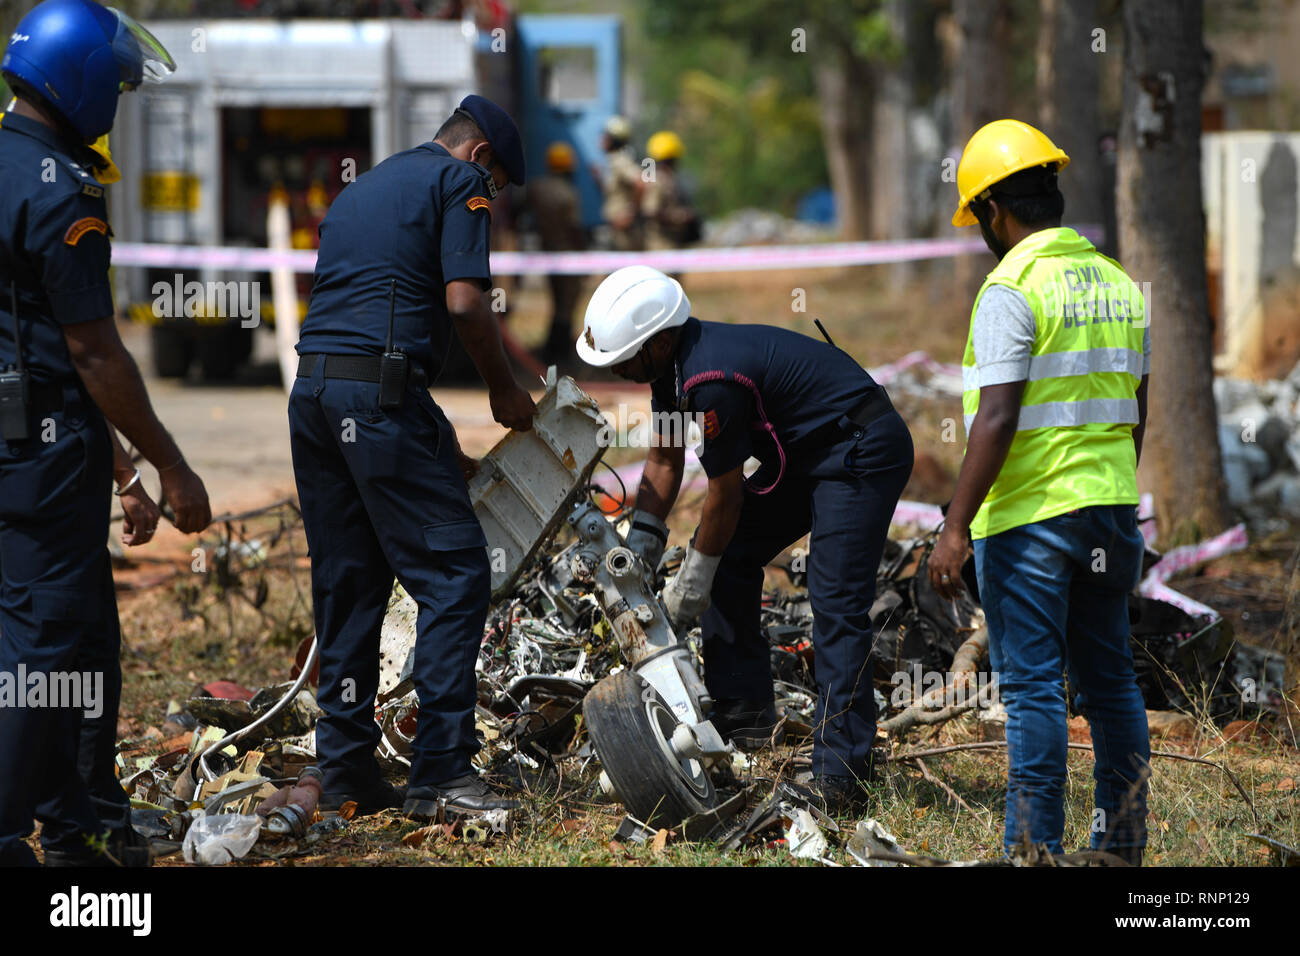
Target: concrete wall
[[1252, 208]]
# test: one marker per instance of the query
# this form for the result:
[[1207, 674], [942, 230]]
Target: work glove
[[686, 596], [647, 536]]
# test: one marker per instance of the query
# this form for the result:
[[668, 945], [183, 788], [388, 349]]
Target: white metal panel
[[433, 54]]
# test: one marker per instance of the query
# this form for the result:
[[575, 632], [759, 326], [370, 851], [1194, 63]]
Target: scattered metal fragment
[[870, 842]]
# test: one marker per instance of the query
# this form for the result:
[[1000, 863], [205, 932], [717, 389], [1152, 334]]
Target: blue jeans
[[1056, 596]]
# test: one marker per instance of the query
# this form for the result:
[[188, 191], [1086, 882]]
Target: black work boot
[[750, 725], [124, 848], [381, 796], [466, 794]]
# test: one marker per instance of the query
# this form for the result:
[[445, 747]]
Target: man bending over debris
[[1055, 384], [835, 457]]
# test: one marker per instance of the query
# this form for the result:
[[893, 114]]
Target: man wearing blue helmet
[[403, 262], [63, 372]]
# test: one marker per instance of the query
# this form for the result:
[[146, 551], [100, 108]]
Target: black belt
[[356, 368], [874, 406]]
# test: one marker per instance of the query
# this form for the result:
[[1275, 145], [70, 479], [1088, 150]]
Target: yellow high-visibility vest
[[1074, 443]]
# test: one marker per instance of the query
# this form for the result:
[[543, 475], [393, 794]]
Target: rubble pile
[[1259, 434], [543, 649], [746, 227]]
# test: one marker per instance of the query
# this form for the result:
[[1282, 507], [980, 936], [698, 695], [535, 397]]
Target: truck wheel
[[172, 350], [218, 350], [632, 728]]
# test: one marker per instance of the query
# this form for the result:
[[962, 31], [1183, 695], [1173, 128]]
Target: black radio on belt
[[14, 384], [393, 365]]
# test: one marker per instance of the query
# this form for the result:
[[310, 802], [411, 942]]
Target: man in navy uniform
[[835, 457], [63, 371], [403, 261]]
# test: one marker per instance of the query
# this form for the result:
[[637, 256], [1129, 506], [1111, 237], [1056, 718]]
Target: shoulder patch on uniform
[[83, 226], [478, 202], [95, 192], [711, 426]]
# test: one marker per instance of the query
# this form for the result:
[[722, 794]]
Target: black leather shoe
[[747, 724], [123, 848], [467, 794], [383, 796]]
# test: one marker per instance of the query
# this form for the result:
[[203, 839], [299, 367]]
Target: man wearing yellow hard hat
[[557, 210], [1054, 384], [670, 219]]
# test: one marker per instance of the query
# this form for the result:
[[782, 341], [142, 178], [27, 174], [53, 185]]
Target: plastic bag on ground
[[214, 840]]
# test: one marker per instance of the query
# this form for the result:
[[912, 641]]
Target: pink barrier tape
[[887, 373], [1188, 556], [735, 259], [1161, 592], [924, 516]]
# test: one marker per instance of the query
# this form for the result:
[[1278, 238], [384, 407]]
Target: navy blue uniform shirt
[[420, 217], [806, 385], [54, 240]]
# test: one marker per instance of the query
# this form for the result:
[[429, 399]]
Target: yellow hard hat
[[996, 151], [559, 158], [106, 172], [665, 144]]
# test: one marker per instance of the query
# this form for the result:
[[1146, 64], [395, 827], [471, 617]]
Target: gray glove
[[647, 536], [686, 596]]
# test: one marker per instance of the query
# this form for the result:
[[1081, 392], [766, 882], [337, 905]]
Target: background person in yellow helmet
[[1054, 393], [557, 209], [670, 219], [622, 186]]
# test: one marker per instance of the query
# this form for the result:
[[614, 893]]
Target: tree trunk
[[979, 96], [1162, 241], [1068, 91], [845, 96], [983, 66]]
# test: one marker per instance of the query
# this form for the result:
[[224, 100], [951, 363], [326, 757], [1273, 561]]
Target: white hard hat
[[619, 128], [627, 308]]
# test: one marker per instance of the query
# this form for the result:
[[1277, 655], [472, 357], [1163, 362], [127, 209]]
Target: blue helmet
[[78, 56]]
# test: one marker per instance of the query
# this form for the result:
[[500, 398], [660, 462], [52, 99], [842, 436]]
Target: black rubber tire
[[172, 349], [648, 780]]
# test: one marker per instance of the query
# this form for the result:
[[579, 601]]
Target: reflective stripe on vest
[[1073, 446]]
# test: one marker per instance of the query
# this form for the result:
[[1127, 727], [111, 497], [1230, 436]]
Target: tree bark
[[1068, 92], [845, 94], [980, 91], [979, 96], [1162, 242]]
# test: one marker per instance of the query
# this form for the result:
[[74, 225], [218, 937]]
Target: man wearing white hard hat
[[622, 186], [834, 459]]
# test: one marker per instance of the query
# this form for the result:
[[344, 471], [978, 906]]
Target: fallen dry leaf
[[659, 842], [416, 837]]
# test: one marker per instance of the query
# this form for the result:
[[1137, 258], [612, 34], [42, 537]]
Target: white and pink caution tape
[[731, 259], [1189, 556]]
